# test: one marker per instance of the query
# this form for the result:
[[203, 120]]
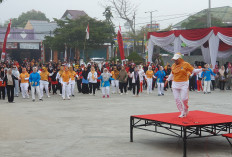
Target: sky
[[167, 11]]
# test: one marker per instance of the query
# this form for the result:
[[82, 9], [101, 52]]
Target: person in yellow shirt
[[149, 78], [66, 79], [24, 77], [115, 82], [44, 74], [180, 86], [73, 75]]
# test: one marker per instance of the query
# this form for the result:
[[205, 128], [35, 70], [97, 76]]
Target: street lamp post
[[151, 15]]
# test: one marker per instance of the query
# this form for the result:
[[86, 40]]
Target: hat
[[177, 56]]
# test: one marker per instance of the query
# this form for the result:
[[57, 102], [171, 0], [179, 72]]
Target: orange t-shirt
[[44, 76], [66, 76], [180, 71], [73, 75], [23, 76], [149, 73]]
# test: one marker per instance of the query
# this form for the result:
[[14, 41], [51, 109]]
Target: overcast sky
[[168, 11]]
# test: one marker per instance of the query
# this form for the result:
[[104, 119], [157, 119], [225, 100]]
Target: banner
[[120, 44], [3, 56]]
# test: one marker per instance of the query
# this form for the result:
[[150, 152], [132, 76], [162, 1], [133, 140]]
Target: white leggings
[[24, 89], [72, 87], [160, 88], [149, 85], [181, 96], [44, 84], [105, 90], [115, 85]]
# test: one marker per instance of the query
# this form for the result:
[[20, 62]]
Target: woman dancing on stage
[[180, 85]]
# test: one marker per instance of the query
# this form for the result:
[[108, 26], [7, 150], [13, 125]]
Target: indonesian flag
[[3, 56], [120, 44], [87, 32]]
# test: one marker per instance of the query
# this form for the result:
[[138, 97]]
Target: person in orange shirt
[[73, 75], [149, 78], [24, 77], [66, 79], [44, 74], [180, 87], [115, 82]]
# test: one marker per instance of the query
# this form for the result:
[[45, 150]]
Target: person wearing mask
[[228, 76], [44, 74], [122, 77], [180, 84], [15, 72], [24, 78], [92, 78], [105, 83], [9, 79], [222, 78], [160, 80], [73, 76], [34, 80], [115, 82], [2, 84], [66, 79], [135, 81], [149, 78]]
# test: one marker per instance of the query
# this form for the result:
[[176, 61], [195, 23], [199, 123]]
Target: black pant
[[122, 86], [54, 88], [2, 93], [92, 87], [98, 85], [59, 87], [222, 85], [137, 84], [213, 84], [130, 83], [85, 88], [79, 85], [192, 84], [10, 93]]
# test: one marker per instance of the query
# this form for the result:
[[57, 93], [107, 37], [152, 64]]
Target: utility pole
[[209, 15], [134, 32], [151, 15]]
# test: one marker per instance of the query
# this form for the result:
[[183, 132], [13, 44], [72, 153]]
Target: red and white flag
[[87, 32], [3, 56]]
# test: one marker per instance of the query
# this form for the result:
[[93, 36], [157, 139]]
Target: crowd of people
[[33, 77]]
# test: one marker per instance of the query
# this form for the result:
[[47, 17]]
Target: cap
[[177, 56]]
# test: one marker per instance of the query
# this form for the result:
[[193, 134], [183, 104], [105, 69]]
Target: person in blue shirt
[[206, 76], [105, 83], [160, 80], [34, 82]]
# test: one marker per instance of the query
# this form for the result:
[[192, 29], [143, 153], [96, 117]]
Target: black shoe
[[33, 100], [41, 99], [73, 95], [162, 93]]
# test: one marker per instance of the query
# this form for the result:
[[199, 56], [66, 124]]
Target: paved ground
[[89, 126]]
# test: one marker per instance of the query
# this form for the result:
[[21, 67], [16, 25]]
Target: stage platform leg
[[131, 128], [184, 143]]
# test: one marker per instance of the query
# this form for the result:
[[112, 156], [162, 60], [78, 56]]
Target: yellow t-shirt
[[22, 76], [149, 74], [44, 76], [73, 75], [180, 71], [66, 76]]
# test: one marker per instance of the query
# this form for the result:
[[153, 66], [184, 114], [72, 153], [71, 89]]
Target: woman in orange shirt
[[24, 77], [180, 85]]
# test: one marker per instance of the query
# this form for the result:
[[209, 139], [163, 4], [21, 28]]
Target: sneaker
[[60, 94], [108, 96], [90, 94], [63, 98], [121, 94], [41, 99], [33, 100], [162, 93], [73, 95], [103, 96], [48, 96], [182, 115], [68, 98]]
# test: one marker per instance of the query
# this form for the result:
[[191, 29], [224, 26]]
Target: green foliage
[[1, 1], [135, 57], [21, 21], [73, 33], [201, 22]]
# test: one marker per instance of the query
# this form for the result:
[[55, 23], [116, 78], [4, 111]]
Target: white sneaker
[[182, 115], [48, 96], [133, 95], [126, 93], [121, 94], [68, 98]]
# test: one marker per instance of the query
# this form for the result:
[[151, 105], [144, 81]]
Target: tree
[[1, 1], [201, 22], [72, 34], [22, 20], [135, 57]]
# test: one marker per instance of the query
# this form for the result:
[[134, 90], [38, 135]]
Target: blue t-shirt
[[160, 76], [34, 77]]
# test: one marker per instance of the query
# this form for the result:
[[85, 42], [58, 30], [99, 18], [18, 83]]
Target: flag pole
[[84, 50]]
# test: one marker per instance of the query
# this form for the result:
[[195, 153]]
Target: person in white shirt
[[92, 77]]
